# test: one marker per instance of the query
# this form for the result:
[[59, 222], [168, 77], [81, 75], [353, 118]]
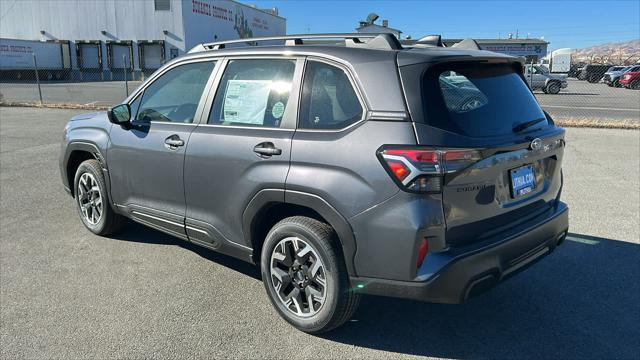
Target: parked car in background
[[631, 79], [539, 78], [613, 74], [575, 70], [612, 78], [593, 72]]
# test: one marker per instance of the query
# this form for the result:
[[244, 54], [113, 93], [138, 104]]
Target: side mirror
[[120, 115]]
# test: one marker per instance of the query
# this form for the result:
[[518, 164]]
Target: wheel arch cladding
[[272, 205], [76, 153]]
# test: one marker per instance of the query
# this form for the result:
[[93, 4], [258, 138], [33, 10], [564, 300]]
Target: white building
[[106, 37]]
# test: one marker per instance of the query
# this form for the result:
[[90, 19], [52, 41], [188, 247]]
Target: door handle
[[173, 142], [267, 149]]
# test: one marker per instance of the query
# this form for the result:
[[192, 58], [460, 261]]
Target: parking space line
[[586, 108]]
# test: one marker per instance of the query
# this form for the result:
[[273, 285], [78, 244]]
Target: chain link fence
[[589, 92], [33, 83]]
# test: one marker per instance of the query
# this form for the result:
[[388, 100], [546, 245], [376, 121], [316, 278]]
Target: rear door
[[488, 109], [242, 145]]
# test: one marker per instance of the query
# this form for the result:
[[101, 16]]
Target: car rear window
[[479, 100]]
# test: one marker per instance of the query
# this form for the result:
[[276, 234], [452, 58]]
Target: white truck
[[559, 61], [17, 59]]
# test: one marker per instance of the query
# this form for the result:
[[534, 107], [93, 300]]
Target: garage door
[[89, 56], [120, 56], [152, 56]]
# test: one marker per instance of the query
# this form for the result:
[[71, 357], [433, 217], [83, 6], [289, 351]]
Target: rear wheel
[[553, 87], [92, 200], [305, 276]]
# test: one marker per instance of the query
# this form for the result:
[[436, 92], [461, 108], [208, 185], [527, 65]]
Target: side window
[[253, 92], [175, 95], [328, 99]]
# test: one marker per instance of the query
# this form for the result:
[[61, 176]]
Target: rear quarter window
[[478, 100]]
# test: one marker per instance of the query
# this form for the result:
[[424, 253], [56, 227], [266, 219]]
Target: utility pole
[[126, 83], [35, 66]]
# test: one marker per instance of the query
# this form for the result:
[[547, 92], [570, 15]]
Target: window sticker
[[278, 110], [245, 101]]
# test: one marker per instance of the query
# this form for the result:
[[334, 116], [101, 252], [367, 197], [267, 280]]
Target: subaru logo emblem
[[536, 144]]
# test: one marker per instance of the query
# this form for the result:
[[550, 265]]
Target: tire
[[593, 79], [553, 87], [635, 85], [95, 208], [616, 83], [336, 301]]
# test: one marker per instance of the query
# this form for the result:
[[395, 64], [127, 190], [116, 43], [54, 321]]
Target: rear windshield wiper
[[527, 124]]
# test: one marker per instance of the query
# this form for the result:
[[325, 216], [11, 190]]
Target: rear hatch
[[500, 153]]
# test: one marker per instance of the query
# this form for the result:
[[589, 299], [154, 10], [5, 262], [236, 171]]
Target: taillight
[[421, 170], [423, 249]]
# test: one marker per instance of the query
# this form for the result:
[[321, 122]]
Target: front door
[[146, 159], [241, 147]]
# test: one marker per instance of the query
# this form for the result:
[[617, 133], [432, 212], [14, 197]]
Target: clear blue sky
[[574, 24]]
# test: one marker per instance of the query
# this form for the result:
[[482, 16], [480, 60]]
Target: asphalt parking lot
[[65, 293], [581, 100]]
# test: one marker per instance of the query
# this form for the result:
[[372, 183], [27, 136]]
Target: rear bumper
[[454, 275]]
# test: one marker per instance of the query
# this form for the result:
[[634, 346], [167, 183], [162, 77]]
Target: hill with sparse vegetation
[[627, 52]]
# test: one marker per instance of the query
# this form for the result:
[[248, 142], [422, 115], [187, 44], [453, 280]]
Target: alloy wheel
[[90, 198], [298, 276]]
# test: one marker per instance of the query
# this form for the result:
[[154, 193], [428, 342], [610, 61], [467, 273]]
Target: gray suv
[[539, 78], [362, 167]]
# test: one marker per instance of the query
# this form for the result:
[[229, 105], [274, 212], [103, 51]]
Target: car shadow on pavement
[[135, 232], [582, 301]]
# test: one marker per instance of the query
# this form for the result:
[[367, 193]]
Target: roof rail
[[382, 41]]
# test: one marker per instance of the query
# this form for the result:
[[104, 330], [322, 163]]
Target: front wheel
[[305, 276], [553, 88], [92, 200]]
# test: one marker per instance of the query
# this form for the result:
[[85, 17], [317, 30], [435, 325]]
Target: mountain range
[[628, 52]]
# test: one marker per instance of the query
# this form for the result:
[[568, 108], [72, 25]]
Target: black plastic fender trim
[[269, 197]]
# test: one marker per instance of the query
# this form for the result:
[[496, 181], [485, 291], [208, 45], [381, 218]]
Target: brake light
[[421, 170]]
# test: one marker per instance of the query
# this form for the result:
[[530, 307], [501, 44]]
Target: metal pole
[[531, 75], [35, 65], [126, 83]]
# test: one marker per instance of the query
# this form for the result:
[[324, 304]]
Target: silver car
[[539, 78]]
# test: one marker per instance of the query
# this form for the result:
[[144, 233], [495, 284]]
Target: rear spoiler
[[430, 41], [467, 44]]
